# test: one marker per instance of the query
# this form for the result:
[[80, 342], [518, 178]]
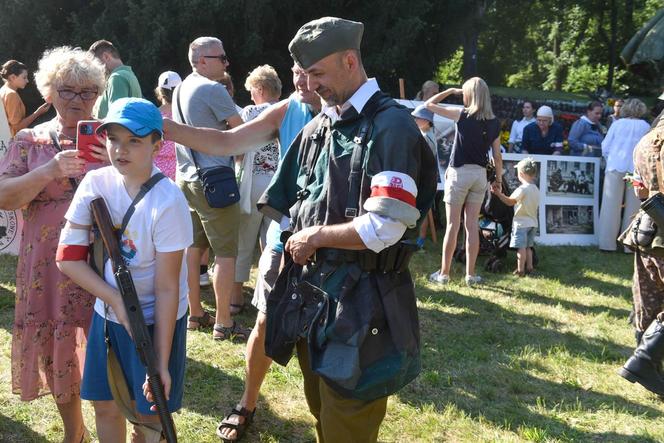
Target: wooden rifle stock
[[139, 329]]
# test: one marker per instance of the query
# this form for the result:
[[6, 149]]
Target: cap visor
[[135, 128]]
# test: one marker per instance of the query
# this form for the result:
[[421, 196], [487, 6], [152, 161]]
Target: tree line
[[541, 44]]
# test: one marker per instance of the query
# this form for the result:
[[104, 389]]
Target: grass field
[[514, 360]]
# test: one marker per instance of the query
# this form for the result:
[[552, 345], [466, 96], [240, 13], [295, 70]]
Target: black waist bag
[[291, 308], [220, 186], [372, 348]]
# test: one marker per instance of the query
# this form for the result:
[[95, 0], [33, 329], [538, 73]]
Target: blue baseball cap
[[422, 112], [139, 116]]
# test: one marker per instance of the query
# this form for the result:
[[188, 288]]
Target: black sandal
[[240, 428], [234, 333]]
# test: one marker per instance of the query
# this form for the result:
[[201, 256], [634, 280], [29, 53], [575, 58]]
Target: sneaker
[[204, 280], [437, 277], [473, 280]]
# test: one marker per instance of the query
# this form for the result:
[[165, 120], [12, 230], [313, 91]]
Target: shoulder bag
[[219, 182]]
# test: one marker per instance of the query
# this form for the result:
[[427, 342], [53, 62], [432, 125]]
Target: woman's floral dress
[[52, 314]]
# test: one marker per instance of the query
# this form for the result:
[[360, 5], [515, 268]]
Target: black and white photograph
[[511, 175], [570, 179], [569, 219]]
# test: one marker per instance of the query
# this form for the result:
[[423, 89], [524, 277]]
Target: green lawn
[[529, 359]]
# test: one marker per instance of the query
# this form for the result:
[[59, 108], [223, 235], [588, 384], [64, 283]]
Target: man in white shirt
[[516, 134]]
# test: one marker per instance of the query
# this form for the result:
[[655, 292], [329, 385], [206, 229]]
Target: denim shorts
[[94, 385], [522, 237]]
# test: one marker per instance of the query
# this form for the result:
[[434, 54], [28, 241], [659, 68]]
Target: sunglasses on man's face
[[222, 58]]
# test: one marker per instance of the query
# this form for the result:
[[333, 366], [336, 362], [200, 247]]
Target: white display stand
[[11, 222], [569, 197]]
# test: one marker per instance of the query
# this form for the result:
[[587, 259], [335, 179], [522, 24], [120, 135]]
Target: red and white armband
[[393, 195], [74, 244]]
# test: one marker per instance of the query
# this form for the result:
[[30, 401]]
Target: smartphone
[[86, 135]]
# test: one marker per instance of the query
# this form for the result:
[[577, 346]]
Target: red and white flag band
[[394, 184], [74, 244]]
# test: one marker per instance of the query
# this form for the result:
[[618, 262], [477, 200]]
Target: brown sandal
[[235, 333], [204, 321]]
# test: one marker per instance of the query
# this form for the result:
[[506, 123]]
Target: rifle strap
[[152, 431], [145, 188]]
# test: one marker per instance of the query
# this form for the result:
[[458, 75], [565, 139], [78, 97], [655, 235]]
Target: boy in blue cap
[[152, 246]]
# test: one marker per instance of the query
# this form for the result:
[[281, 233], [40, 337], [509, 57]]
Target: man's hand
[[170, 128], [302, 245]]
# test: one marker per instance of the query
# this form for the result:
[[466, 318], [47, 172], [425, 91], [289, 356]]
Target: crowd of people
[[334, 182]]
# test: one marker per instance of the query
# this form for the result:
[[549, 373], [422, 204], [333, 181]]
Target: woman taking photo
[[15, 76], [52, 314], [477, 131]]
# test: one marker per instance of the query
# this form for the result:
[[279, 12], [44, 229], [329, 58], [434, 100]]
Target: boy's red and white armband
[[73, 245]]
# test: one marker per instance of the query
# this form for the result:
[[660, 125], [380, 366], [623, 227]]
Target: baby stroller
[[495, 226]]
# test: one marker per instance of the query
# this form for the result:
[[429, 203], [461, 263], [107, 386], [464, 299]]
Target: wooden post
[[402, 89]]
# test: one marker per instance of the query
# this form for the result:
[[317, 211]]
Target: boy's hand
[[166, 381], [121, 314]]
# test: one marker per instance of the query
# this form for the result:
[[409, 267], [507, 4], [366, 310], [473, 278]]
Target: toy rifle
[[139, 330]]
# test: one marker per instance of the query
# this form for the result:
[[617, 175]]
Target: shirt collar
[[357, 100], [587, 120]]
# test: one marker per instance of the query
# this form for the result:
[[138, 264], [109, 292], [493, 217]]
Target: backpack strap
[[357, 158]]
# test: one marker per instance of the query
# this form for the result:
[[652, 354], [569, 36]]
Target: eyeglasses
[[222, 58], [68, 94]]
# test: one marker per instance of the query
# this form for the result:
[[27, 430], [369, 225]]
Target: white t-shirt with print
[[525, 211], [160, 223]]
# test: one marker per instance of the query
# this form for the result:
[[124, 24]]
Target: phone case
[[86, 135]]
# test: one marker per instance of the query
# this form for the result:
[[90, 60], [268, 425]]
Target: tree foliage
[[543, 44], [401, 39]]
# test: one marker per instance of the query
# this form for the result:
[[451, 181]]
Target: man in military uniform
[[358, 179], [644, 367]]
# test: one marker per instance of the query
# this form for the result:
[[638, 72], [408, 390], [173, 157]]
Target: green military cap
[[322, 37]]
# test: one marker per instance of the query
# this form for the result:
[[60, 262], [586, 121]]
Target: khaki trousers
[[339, 419], [615, 194]]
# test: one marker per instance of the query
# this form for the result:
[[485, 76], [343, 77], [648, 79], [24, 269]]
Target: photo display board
[[10, 221], [569, 197]]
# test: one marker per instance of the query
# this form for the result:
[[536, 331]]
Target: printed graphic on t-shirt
[[128, 250]]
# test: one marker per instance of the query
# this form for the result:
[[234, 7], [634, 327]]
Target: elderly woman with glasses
[[38, 174]]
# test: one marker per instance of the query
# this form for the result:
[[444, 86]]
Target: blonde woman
[[617, 150], [477, 131], [265, 88], [52, 314]]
